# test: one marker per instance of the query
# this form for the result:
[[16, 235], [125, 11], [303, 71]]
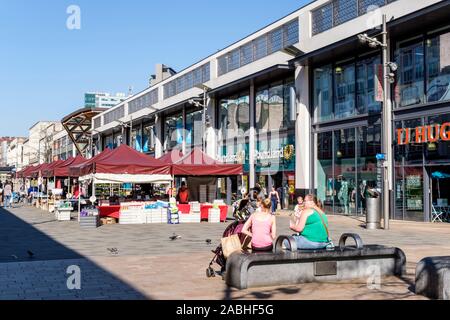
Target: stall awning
[[62, 170], [198, 163], [108, 178], [172, 157], [84, 167], [125, 160], [45, 171]]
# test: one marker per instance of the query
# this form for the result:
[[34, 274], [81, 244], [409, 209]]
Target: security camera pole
[[388, 77]]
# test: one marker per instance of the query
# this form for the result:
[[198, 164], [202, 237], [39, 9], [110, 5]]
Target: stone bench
[[287, 267], [433, 278]]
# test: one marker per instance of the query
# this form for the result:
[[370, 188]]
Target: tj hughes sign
[[424, 134]]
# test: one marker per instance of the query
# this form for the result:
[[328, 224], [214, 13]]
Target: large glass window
[[194, 124], [346, 168], [148, 139], [438, 68], [344, 171], [438, 152], [273, 107], [410, 75], [323, 93], [173, 131], [344, 89], [234, 116], [365, 86]]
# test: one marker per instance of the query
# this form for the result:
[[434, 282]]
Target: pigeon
[[175, 237], [208, 241], [113, 251], [30, 254]]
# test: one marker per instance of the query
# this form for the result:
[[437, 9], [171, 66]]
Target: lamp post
[[389, 69]]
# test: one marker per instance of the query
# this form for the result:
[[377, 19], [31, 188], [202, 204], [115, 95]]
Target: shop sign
[[424, 134], [286, 153]]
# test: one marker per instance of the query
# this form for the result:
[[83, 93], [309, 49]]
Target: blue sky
[[45, 69]]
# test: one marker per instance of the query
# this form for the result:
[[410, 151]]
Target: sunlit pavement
[[141, 262]]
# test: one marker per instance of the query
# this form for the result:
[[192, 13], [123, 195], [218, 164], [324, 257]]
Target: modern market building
[[296, 103]]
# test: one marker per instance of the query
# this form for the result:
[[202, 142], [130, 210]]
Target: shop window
[[234, 116], [194, 125], [344, 171], [410, 75], [273, 107], [173, 131], [148, 139], [438, 152], [323, 93], [136, 139], [365, 86], [438, 68], [324, 170], [344, 91]]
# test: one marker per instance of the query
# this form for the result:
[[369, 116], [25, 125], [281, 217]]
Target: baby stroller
[[242, 211]]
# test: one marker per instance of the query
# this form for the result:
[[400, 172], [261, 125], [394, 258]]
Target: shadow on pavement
[[33, 266]]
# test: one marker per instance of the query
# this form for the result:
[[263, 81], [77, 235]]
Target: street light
[[205, 120], [389, 69]]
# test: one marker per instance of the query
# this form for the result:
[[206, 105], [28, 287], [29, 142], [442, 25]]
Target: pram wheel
[[210, 273]]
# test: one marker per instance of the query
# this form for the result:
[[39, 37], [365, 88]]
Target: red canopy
[[35, 172], [79, 169], [197, 163], [62, 170], [172, 157], [20, 174], [125, 160], [48, 170]]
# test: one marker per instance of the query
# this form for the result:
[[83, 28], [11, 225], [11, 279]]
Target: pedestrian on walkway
[[275, 199], [7, 194]]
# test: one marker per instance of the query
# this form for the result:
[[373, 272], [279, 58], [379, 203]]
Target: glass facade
[[345, 90], [424, 70], [346, 167], [422, 156], [173, 131], [194, 125], [273, 107], [234, 116]]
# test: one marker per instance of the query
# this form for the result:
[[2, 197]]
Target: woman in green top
[[312, 226]]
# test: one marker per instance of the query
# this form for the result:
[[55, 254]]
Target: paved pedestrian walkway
[[140, 262]]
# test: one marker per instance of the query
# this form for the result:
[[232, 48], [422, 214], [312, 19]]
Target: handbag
[[230, 245]]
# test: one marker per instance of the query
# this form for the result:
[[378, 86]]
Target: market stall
[[123, 165], [201, 173]]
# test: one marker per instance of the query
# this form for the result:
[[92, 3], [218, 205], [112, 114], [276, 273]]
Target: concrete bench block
[[433, 278], [296, 267]]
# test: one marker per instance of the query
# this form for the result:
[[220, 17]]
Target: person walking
[[7, 194], [274, 199]]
